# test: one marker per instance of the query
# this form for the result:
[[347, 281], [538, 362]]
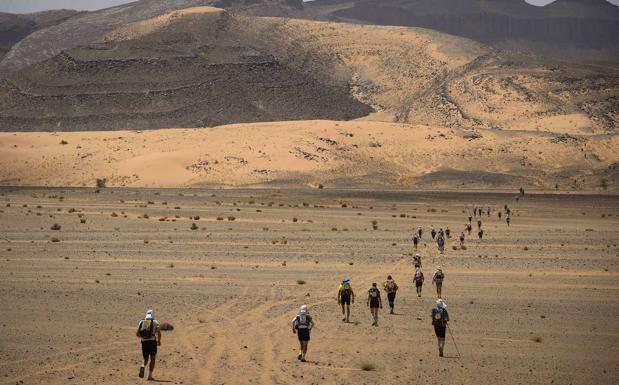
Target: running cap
[[439, 267], [345, 280], [303, 310], [149, 314], [441, 303], [417, 255]]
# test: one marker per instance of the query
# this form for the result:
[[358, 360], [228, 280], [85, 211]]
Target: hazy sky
[[24, 6]]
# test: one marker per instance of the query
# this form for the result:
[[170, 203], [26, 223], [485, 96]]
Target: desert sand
[[231, 287], [309, 153]]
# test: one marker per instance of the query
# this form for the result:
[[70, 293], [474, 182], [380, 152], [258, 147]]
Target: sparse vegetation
[[54, 240], [367, 365], [56, 227], [535, 338], [300, 282]]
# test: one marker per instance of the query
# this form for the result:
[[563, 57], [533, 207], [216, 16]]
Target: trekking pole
[[454, 341]]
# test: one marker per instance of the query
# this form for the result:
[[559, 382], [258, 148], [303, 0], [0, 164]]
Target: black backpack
[[438, 316], [146, 332]]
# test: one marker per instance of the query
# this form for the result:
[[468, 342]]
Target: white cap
[[149, 314], [441, 303], [439, 267], [303, 309]]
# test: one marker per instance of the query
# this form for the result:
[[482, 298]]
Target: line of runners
[[150, 334]]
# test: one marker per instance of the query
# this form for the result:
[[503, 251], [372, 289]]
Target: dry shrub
[[367, 365], [535, 338], [300, 282]]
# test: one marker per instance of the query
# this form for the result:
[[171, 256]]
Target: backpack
[[302, 321], [438, 316], [390, 286], [418, 276], [374, 292], [439, 276], [146, 331], [346, 288]]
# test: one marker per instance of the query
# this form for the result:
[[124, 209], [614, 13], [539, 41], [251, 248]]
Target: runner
[[345, 295], [418, 280], [374, 302], [433, 233], [391, 288], [479, 223], [419, 232], [441, 232], [462, 239], [440, 318], [302, 325], [469, 227], [500, 214], [488, 211], [480, 233], [415, 241], [417, 260], [507, 219], [440, 241], [448, 232], [150, 336], [470, 218], [474, 211], [437, 280]]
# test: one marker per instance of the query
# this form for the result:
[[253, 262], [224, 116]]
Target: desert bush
[[300, 282], [535, 338], [367, 365], [56, 227], [101, 183], [54, 240], [194, 226], [220, 218]]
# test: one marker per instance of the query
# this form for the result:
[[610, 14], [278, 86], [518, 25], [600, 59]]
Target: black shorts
[[391, 297], [149, 348], [345, 299], [303, 334], [440, 330], [374, 303], [418, 283]]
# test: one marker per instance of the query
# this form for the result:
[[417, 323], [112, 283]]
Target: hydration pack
[[438, 316], [374, 293], [146, 328]]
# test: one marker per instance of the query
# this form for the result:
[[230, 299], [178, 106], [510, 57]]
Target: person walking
[[418, 280], [462, 239], [440, 242], [474, 211], [437, 280], [391, 288], [433, 233], [440, 318], [417, 260], [488, 211], [345, 295], [419, 232], [500, 214], [448, 232], [479, 223], [469, 228], [480, 233], [150, 336], [415, 241], [302, 325], [507, 219], [374, 302]]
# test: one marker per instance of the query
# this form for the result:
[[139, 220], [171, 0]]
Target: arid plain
[[532, 303]]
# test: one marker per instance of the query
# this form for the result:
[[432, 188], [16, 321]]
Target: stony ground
[[533, 303]]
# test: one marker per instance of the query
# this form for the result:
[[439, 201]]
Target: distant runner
[[480, 233], [437, 280], [441, 232], [507, 219], [448, 232], [462, 239], [468, 228], [418, 281], [415, 241], [440, 242], [419, 232], [488, 211], [417, 260], [479, 223], [433, 233], [391, 288], [500, 214], [345, 295], [470, 218], [374, 302], [474, 211], [440, 318], [150, 335], [302, 325]]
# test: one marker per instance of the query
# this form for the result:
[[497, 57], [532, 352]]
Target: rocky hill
[[204, 66], [584, 30]]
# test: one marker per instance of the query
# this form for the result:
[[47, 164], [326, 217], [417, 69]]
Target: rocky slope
[[584, 30]]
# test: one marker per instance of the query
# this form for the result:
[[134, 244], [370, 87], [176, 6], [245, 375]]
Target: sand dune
[[308, 153]]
